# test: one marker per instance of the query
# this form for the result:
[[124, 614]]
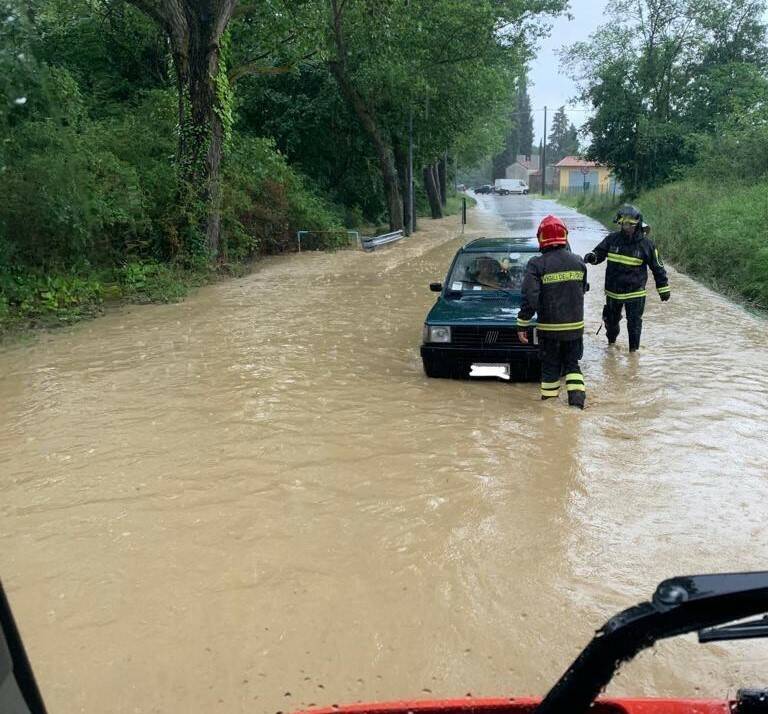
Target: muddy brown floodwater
[[255, 501]]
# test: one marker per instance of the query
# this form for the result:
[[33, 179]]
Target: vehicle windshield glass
[[489, 271]]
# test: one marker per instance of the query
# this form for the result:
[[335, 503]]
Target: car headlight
[[438, 334]]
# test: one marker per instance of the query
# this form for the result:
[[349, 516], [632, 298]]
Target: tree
[[519, 139], [657, 73], [445, 63], [563, 139]]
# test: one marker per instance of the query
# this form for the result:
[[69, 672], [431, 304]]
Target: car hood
[[470, 310]]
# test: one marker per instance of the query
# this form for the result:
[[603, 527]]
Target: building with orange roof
[[578, 175]]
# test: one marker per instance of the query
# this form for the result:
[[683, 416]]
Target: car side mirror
[[436, 287]]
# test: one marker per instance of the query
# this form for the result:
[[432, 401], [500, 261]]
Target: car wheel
[[436, 370]]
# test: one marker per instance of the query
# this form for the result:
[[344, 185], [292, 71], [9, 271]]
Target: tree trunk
[[433, 194], [442, 168], [367, 116], [194, 29], [401, 161]]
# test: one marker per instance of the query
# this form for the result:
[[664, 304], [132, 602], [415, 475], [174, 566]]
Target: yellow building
[[578, 175]]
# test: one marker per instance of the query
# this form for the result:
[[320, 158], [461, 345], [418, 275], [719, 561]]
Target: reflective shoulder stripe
[[624, 259], [626, 296], [665, 289], [560, 326], [562, 277]]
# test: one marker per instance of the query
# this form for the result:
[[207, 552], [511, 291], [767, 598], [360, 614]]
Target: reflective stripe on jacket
[[553, 289], [629, 258]]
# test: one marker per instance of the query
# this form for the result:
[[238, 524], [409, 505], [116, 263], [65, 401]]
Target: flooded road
[[254, 501]]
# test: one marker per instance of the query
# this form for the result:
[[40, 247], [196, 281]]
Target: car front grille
[[484, 337]]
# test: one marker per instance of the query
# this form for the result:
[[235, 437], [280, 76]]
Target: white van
[[505, 187]]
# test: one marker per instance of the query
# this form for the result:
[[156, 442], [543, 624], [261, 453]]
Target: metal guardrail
[[352, 235], [373, 242]]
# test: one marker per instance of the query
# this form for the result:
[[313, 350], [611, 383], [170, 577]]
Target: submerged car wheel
[[435, 369]]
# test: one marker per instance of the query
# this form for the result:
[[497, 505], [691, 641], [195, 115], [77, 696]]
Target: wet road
[[255, 501]]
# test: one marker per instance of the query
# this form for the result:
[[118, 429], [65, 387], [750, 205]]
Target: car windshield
[[489, 271]]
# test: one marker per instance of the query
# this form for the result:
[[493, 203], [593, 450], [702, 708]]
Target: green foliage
[[45, 299], [266, 202], [665, 77], [150, 281], [563, 138], [709, 231]]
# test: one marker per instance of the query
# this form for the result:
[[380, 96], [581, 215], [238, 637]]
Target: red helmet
[[552, 231]]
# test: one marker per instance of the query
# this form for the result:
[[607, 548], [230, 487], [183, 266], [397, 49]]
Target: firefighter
[[630, 252], [553, 289]]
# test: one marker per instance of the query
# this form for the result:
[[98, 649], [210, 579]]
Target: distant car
[[506, 187], [487, 188], [473, 323]]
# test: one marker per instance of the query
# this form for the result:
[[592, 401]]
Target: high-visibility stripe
[[560, 326], [624, 259], [576, 388], [523, 323], [550, 393], [566, 275], [575, 377], [626, 296], [550, 385], [665, 289]]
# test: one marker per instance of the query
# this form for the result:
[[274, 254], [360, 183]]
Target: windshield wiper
[[492, 287]]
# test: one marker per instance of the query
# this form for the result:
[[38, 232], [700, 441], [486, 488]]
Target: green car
[[470, 330]]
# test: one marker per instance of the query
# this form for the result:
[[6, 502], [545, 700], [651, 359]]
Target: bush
[[76, 190], [266, 202], [153, 282], [37, 299]]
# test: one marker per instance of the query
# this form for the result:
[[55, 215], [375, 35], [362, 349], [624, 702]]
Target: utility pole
[[544, 156]]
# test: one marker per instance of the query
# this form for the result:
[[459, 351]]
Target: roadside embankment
[[34, 300], [711, 232]]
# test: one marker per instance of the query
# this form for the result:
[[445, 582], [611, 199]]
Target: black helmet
[[628, 214]]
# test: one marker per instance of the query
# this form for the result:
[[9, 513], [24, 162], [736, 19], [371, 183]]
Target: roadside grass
[[711, 232], [44, 300]]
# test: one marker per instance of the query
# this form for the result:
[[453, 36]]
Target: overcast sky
[[550, 87]]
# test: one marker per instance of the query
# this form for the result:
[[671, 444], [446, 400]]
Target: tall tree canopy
[[563, 138], [658, 73]]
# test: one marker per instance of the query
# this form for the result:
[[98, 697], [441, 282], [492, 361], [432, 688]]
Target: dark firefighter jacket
[[553, 288], [629, 258]]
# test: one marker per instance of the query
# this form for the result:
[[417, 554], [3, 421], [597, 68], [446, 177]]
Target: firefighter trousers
[[560, 358], [634, 309]]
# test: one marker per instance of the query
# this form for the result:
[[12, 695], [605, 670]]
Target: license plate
[[487, 369]]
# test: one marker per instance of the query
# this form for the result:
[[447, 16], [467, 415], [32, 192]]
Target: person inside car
[[487, 272]]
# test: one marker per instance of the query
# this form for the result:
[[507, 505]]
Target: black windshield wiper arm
[[509, 291], [738, 631], [694, 603]]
